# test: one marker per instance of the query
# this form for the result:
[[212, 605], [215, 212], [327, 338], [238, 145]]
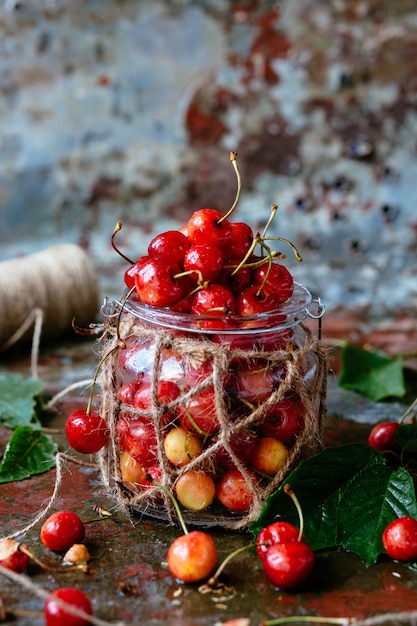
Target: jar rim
[[290, 313]]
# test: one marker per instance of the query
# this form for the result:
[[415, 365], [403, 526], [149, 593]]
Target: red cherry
[[382, 437], [57, 615], [284, 420], [214, 300], [206, 259], [138, 438], [168, 391], [288, 565], [11, 557], [86, 432], [242, 238], [199, 412], [204, 226], [251, 381], [172, 244], [277, 532], [251, 302], [233, 491], [278, 277], [130, 273], [61, 530], [242, 444], [235, 281], [192, 557], [126, 393], [400, 539], [156, 284]]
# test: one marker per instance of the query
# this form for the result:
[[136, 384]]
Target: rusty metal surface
[[130, 580]]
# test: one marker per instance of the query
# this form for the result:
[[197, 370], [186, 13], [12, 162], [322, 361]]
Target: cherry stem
[[115, 248], [233, 159], [52, 568], [213, 580], [290, 244], [256, 240], [314, 619], [173, 500], [200, 280], [269, 261], [288, 490], [411, 409], [274, 209]]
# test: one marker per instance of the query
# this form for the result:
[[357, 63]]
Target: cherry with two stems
[[288, 563]]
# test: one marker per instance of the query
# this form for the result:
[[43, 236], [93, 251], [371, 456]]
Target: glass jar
[[218, 410]]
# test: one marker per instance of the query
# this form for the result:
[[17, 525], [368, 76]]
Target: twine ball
[[59, 280]]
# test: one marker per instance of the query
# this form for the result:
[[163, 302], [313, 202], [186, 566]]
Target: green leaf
[[371, 374], [18, 398], [27, 453], [348, 494], [406, 436]]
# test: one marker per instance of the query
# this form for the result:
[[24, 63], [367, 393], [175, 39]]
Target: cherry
[[283, 420], [195, 490], [171, 244], [276, 276], [56, 615], [215, 299], [199, 412], [167, 392], [382, 437], [61, 530], [208, 226], [269, 455], [233, 278], [181, 446], [242, 238], [290, 562], [400, 539], [242, 443], [86, 432], [205, 259], [233, 491], [138, 438], [192, 557], [288, 565], [252, 300], [11, 557], [277, 532], [156, 282], [131, 272], [131, 470], [251, 381]]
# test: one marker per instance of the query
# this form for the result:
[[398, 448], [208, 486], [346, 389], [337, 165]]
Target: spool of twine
[[59, 281]]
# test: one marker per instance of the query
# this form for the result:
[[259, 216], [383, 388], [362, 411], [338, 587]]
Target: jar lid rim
[[289, 313]]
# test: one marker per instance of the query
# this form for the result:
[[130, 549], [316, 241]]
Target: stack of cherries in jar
[[221, 276]]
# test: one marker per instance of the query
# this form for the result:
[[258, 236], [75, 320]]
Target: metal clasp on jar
[[320, 311]]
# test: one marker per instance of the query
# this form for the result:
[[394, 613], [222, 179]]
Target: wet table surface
[[129, 581]]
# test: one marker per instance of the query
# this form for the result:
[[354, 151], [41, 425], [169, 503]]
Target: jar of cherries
[[213, 386]]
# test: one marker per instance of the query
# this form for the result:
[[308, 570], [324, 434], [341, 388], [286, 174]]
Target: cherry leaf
[[27, 453], [18, 399], [348, 494], [372, 374], [406, 436]]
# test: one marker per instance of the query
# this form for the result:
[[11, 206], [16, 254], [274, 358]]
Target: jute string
[[56, 285], [195, 352]]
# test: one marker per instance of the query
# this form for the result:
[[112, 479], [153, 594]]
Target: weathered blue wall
[[126, 110]]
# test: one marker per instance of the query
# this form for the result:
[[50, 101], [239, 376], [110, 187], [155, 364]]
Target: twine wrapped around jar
[[195, 350]]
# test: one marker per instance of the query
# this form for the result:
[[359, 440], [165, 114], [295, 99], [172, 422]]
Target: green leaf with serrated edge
[[368, 503], [18, 400], [27, 453], [347, 494], [371, 374]]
